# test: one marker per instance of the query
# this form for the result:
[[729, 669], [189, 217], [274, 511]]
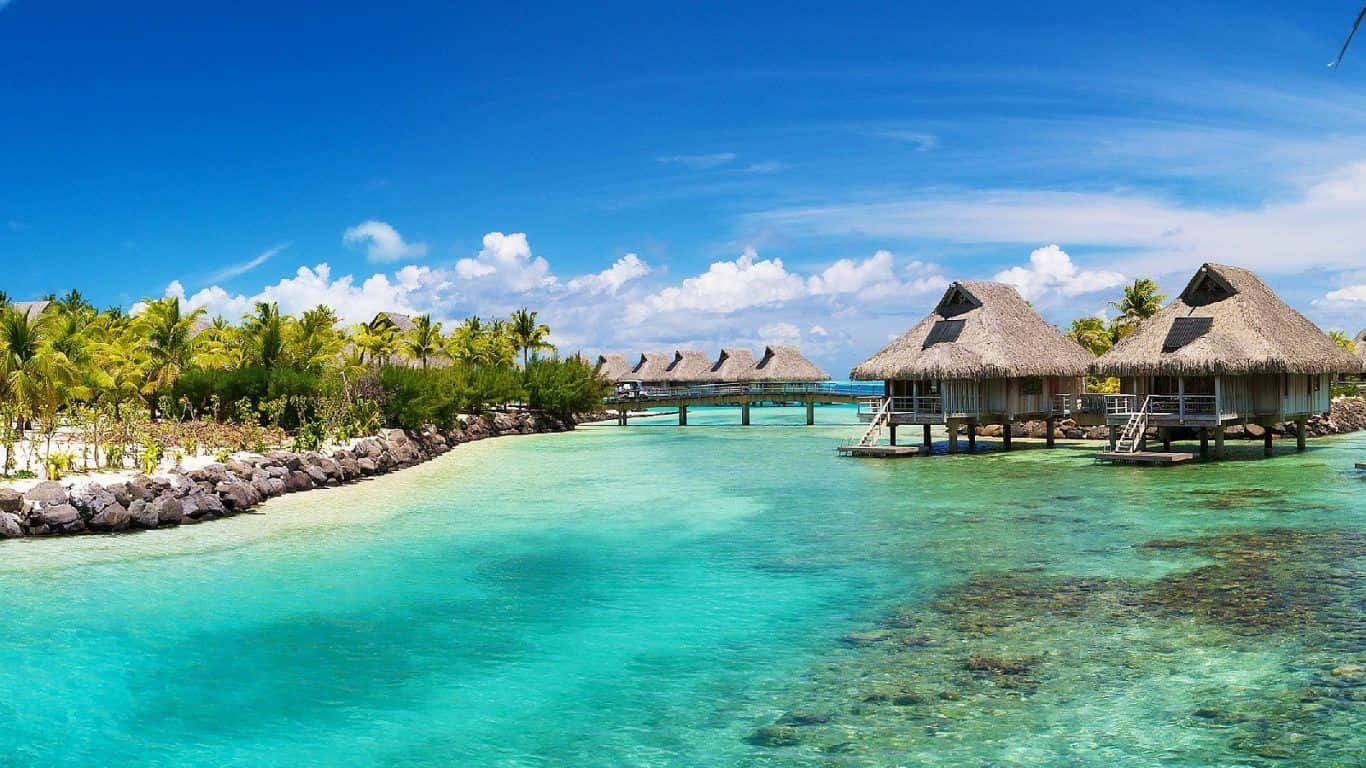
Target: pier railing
[[751, 390], [1118, 405], [923, 405]]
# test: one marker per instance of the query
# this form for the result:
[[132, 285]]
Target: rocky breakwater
[[184, 497]]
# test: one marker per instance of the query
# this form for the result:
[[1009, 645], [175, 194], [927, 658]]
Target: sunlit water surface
[[714, 596]]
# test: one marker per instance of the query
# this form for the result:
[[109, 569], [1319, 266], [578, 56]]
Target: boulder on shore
[[48, 493]]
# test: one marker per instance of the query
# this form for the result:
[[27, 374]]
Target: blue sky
[[653, 176]]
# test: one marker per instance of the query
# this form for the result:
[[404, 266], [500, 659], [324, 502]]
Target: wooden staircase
[[1132, 434], [867, 443]]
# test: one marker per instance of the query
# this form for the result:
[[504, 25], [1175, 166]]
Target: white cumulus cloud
[[406, 290], [1051, 273], [507, 261], [610, 280], [726, 286], [382, 242]]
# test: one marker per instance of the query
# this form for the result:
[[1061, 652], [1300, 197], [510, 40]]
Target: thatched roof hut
[[734, 364], [653, 366], [781, 363], [30, 309], [403, 323], [979, 330], [614, 367], [689, 366], [1226, 322]]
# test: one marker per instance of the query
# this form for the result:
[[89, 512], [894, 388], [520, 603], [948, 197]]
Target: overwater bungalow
[[1226, 351], [983, 356], [689, 366], [651, 369], [613, 367], [734, 364], [787, 365]]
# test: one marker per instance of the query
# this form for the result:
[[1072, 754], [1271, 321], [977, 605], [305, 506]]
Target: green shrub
[[564, 388]]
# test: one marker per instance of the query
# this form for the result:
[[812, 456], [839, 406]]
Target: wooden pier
[[741, 395], [879, 451], [1145, 457]]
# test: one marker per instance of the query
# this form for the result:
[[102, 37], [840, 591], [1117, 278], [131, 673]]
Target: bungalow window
[[1031, 385], [1313, 384]]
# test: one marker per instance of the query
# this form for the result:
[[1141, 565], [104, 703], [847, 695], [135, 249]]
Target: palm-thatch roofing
[[30, 309], [782, 363], [979, 330], [403, 323], [653, 366], [689, 366], [1226, 321], [614, 367], [734, 364], [1360, 342]]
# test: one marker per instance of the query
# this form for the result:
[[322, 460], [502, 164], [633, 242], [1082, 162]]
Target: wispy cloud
[[765, 167], [4, 3], [233, 270], [699, 162], [923, 142]]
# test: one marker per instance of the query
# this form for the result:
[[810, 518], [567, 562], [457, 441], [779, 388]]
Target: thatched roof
[[402, 322], [979, 330], [1226, 321], [689, 366], [653, 366], [614, 367], [30, 309], [787, 364], [734, 364]]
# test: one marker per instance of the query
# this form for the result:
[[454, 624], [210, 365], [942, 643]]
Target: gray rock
[[169, 510], [11, 500], [112, 518], [121, 494], [237, 496], [331, 467], [142, 514], [9, 526], [262, 486], [367, 466], [298, 481], [49, 493], [209, 505], [141, 488], [277, 486], [60, 515], [317, 475]]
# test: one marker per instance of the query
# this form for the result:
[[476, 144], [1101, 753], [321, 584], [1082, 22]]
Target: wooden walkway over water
[[743, 395]]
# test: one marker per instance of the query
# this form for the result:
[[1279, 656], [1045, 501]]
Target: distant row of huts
[[694, 367]]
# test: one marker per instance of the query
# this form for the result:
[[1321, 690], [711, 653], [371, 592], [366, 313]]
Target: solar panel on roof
[[943, 331], [1184, 330]]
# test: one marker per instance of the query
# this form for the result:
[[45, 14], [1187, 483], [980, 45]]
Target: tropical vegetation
[[126, 389]]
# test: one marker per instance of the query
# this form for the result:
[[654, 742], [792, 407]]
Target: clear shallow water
[[654, 596]]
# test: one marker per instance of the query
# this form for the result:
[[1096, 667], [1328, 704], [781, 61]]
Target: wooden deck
[[1145, 457], [879, 451]]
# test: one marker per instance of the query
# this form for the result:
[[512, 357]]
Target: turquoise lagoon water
[[714, 596]]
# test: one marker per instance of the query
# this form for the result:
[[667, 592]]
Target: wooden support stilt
[[891, 434], [621, 417], [926, 439], [1049, 426], [810, 412], [953, 437], [1204, 441], [1166, 440], [1301, 425], [972, 437], [682, 415], [1219, 442], [744, 414], [1267, 450], [1114, 436], [1005, 436]]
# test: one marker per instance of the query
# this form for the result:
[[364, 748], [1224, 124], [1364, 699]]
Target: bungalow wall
[[1266, 395], [1011, 398]]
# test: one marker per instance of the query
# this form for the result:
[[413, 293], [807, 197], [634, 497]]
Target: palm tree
[[1343, 340], [170, 341], [1091, 333], [424, 339], [36, 375], [377, 340], [1140, 302], [528, 335], [314, 340], [266, 333]]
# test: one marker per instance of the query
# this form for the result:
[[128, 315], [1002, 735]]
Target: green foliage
[[416, 397], [564, 388]]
